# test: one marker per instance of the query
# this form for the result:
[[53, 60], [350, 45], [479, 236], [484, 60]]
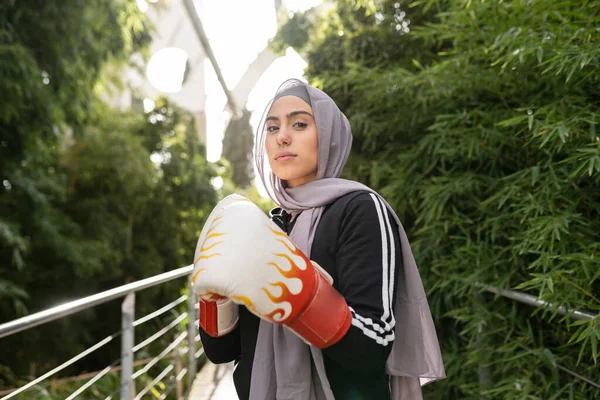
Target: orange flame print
[[306, 276], [210, 234], [247, 302]]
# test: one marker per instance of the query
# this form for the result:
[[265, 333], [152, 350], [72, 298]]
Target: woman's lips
[[285, 156]]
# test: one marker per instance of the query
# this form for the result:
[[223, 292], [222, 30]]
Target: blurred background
[[123, 122]]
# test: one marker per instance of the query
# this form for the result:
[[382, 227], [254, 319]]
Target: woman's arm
[[368, 261], [222, 349]]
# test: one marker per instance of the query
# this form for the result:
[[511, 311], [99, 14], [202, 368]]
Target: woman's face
[[292, 142]]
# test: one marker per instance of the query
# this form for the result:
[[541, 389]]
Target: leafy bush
[[477, 121]]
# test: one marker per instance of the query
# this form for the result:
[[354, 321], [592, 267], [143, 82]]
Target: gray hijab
[[285, 367]]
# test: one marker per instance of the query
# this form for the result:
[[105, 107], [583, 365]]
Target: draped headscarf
[[285, 367]]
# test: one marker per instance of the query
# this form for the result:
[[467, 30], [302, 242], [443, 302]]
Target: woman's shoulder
[[354, 201], [356, 216], [354, 207], [357, 199]]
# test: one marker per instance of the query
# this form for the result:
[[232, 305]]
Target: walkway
[[214, 382]]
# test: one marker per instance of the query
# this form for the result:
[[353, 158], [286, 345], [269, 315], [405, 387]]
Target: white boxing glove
[[219, 315], [244, 256]]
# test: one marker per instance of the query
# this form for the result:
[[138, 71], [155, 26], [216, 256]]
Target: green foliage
[[91, 197], [477, 121], [48, 66], [294, 32]]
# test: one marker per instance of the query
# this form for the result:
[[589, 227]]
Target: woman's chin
[[287, 177], [293, 177], [298, 181], [286, 174]]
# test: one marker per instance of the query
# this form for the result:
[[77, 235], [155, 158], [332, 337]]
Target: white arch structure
[[177, 25]]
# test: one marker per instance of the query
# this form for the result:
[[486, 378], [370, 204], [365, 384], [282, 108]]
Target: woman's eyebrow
[[288, 116], [294, 113]]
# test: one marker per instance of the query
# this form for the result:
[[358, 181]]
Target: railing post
[[191, 331], [179, 382], [127, 341]]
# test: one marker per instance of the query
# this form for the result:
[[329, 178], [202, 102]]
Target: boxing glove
[[246, 257], [218, 315]]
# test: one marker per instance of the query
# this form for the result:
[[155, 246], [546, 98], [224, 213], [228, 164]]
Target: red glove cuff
[[218, 318], [326, 318]]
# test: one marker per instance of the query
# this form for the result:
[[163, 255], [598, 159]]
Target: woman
[[391, 346]]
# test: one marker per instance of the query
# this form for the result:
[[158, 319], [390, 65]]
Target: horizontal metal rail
[[159, 357], [114, 367], [89, 383], [159, 333], [137, 363], [110, 396], [181, 375], [72, 307], [164, 395], [160, 311], [531, 300], [566, 370], [154, 382], [199, 353], [62, 366], [576, 375]]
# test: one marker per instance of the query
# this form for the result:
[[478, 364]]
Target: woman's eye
[[300, 125], [272, 128]]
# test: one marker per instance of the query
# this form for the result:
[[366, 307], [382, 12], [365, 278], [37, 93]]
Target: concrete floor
[[214, 382]]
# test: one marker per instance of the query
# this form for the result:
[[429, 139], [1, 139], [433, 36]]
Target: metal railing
[[128, 347], [531, 300]]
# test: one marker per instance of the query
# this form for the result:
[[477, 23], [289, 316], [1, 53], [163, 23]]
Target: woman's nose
[[283, 138]]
